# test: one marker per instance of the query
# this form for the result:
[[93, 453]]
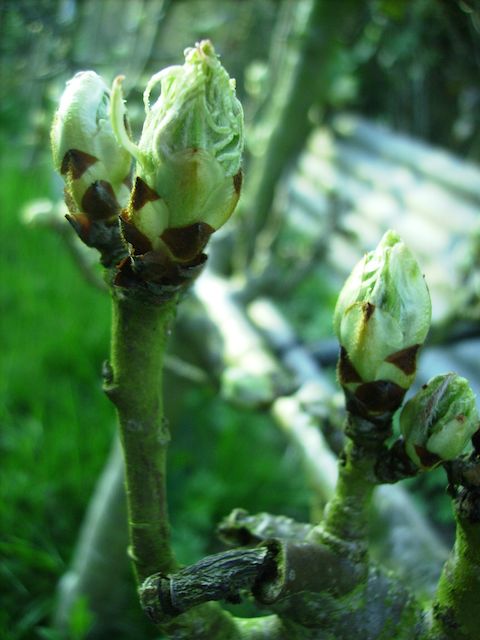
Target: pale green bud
[[189, 154], [85, 151], [438, 422], [381, 319]]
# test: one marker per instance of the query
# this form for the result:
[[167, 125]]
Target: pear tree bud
[[188, 175], [381, 319], [86, 153], [438, 422]]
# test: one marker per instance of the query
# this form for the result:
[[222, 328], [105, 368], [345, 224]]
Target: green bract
[[438, 422], [85, 150], [189, 153], [383, 315]]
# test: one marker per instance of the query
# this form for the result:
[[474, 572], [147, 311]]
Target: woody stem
[[139, 336]]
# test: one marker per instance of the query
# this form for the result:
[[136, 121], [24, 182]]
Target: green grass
[[55, 425]]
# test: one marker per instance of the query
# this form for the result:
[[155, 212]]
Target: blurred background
[[360, 116]]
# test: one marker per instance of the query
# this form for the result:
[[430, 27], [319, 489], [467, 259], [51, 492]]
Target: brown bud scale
[[380, 396], [346, 371], [76, 162], [237, 181], [368, 309], [405, 360], [427, 458], [140, 243], [187, 242], [99, 201], [142, 194]]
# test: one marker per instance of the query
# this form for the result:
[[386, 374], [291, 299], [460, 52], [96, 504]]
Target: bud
[[438, 422], [188, 158], [95, 167], [381, 319]]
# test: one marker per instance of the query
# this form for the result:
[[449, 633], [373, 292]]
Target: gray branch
[[223, 576]]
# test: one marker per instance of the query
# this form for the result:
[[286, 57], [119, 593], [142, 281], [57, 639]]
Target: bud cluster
[[381, 319], [439, 421], [187, 174], [95, 167]]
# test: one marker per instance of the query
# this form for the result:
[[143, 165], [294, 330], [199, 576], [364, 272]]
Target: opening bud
[[95, 167], [188, 175], [438, 422], [381, 319]]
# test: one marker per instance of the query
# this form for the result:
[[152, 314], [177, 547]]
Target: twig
[[99, 569], [241, 529], [139, 334], [223, 576], [251, 377], [456, 606], [299, 85], [421, 553]]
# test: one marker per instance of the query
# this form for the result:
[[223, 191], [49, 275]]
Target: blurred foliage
[[414, 65], [54, 429], [419, 67]]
